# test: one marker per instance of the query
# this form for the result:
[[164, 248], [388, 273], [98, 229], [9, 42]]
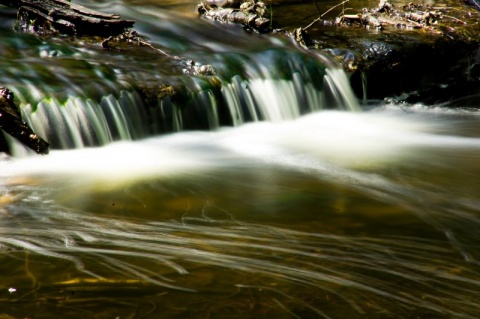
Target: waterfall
[[279, 100], [274, 85]]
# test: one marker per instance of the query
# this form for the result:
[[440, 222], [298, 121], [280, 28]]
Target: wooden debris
[[251, 14], [12, 123], [410, 16], [61, 16]]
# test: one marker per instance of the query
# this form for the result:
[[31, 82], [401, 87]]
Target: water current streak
[[341, 266]]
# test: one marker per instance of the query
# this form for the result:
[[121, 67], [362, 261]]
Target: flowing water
[[295, 203]]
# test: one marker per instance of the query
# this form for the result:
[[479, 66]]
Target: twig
[[454, 19], [341, 3], [312, 23], [321, 15], [318, 8]]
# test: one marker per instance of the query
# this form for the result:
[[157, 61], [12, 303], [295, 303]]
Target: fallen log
[[53, 16], [385, 15], [11, 122], [251, 14]]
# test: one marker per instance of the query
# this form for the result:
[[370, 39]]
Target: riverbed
[[309, 204]]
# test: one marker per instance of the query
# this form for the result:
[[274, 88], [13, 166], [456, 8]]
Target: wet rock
[[132, 38], [390, 49], [12, 123], [392, 63]]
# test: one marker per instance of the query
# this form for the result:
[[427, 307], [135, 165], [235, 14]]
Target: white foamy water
[[345, 171], [343, 139]]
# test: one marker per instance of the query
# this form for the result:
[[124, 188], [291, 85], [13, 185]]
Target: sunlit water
[[332, 215], [311, 214]]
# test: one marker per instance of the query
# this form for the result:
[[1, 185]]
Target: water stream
[[288, 201]]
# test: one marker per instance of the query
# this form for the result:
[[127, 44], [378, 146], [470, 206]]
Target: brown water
[[256, 221], [334, 214]]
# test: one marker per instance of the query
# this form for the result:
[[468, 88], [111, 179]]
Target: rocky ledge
[[387, 49]]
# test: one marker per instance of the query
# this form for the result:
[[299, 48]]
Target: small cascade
[[79, 122], [278, 100], [103, 104]]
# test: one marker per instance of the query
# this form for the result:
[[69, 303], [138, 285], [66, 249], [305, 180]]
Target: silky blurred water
[[334, 214], [318, 214]]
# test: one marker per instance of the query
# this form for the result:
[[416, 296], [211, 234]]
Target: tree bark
[[69, 18]]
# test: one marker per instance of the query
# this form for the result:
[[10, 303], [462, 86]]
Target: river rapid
[[308, 205]]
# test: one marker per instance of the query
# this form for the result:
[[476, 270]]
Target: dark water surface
[[331, 214]]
